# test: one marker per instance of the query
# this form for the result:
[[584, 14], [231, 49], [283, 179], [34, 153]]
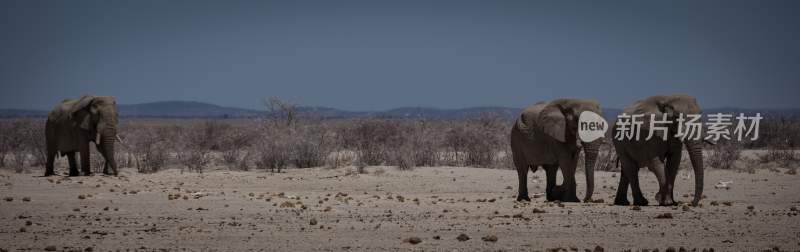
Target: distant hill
[[192, 109], [188, 109]]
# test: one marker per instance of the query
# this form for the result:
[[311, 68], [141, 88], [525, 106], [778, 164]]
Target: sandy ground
[[386, 209]]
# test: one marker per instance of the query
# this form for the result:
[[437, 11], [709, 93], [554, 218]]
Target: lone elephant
[[661, 153], [72, 124], [546, 135]]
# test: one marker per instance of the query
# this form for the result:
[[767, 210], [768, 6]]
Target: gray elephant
[[662, 157], [546, 135], [72, 124]]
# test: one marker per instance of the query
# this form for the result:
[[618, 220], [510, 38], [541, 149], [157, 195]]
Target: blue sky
[[370, 55]]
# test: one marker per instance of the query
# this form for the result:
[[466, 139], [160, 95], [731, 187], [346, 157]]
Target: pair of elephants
[[546, 135]]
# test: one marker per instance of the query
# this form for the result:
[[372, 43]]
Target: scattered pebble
[[489, 238], [413, 240], [462, 237], [664, 216]]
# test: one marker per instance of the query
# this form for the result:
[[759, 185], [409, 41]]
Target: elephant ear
[[552, 122], [83, 119], [655, 105], [527, 120]]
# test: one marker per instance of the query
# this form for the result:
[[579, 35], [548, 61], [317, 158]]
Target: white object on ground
[[723, 184]]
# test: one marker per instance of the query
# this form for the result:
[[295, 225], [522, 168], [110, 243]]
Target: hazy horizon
[[378, 55]]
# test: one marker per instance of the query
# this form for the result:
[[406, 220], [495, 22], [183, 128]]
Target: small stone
[[50, 248], [26, 199], [664, 216], [9, 199], [413, 240], [489, 238], [462, 237], [598, 249], [312, 222], [537, 211], [636, 208]]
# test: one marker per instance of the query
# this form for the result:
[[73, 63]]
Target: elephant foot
[[48, 174], [570, 198], [621, 202], [74, 174], [523, 198], [640, 202], [555, 194], [664, 200]]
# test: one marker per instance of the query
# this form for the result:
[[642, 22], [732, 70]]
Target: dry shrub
[[23, 141], [198, 142], [148, 146], [370, 139], [476, 142], [724, 154], [780, 137], [234, 145], [606, 157]]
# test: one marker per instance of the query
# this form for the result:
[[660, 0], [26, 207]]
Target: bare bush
[[606, 158], [724, 154], [148, 146], [198, 142], [370, 138], [23, 141], [234, 145], [476, 142]]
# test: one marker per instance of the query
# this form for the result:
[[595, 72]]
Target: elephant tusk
[[122, 142]]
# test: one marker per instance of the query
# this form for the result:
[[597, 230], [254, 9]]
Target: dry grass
[[272, 144]]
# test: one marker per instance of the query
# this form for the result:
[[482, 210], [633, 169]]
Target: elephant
[[662, 157], [546, 135], [72, 124]]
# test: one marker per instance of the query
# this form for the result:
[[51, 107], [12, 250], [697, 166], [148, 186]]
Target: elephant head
[[559, 119], [673, 107], [97, 117]]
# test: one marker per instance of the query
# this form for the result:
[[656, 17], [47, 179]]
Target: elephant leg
[[49, 166], [622, 190], [657, 167], [85, 162], [672, 167], [552, 192], [632, 173], [569, 187], [105, 157], [522, 175], [73, 165]]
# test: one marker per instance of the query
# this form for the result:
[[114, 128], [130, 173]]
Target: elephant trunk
[[695, 149], [108, 140], [590, 151]]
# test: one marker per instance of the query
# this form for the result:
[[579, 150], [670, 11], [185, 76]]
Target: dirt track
[[329, 209]]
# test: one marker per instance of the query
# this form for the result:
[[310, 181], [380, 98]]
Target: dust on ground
[[442, 208]]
